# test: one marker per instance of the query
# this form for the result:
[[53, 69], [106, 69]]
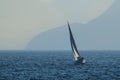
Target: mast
[[73, 44]]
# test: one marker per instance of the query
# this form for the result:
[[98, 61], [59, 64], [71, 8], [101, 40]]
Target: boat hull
[[80, 61]]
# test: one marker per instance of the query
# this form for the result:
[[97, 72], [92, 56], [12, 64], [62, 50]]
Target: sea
[[59, 65]]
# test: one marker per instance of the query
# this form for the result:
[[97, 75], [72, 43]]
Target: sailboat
[[78, 58]]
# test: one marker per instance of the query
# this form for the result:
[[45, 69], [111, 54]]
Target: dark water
[[33, 65]]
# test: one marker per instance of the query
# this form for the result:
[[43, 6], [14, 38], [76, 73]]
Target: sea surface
[[59, 65]]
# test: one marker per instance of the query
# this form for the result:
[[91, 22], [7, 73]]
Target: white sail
[[73, 45], [76, 54]]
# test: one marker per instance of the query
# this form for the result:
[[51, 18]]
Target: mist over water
[[59, 65]]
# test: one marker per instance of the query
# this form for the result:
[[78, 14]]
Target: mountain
[[102, 33]]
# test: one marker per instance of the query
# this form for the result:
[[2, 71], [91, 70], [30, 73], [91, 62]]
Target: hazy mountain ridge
[[99, 34]]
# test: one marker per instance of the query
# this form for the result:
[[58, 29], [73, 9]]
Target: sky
[[21, 20]]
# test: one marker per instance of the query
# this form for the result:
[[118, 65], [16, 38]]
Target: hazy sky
[[21, 20]]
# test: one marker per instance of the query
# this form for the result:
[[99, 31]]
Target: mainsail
[[73, 45]]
